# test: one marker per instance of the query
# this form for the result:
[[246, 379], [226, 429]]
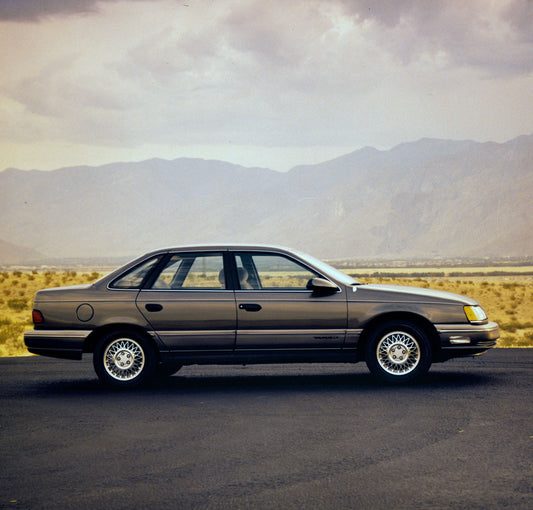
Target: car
[[249, 304]]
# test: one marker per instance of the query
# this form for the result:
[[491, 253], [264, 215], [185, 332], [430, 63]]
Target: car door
[[188, 304], [275, 310]]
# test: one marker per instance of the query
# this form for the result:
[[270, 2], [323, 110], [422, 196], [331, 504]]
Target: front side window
[[271, 272], [192, 271]]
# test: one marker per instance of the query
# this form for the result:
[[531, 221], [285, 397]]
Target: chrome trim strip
[[58, 334], [287, 349], [466, 328], [190, 289], [274, 290], [321, 332], [470, 347], [195, 332]]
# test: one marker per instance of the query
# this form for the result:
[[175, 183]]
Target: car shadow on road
[[271, 383], [312, 382]]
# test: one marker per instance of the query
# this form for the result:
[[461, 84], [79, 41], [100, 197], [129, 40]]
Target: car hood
[[403, 293]]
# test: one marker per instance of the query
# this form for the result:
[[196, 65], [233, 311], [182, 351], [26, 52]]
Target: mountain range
[[429, 199]]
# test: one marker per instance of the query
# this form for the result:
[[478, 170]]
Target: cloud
[[31, 11], [265, 74], [494, 36], [519, 14]]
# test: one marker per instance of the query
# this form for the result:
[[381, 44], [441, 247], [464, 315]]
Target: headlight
[[475, 314]]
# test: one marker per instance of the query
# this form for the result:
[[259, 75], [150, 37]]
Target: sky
[[272, 83]]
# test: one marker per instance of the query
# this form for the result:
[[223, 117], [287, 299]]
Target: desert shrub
[[5, 321], [514, 325], [17, 304], [12, 340]]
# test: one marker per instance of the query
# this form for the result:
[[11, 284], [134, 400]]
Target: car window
[[271, 272], [134, 278], [192, 271]]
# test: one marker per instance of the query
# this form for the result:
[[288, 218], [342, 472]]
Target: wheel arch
[[92, 340], [413, 318]]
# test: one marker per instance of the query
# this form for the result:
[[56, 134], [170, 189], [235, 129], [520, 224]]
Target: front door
[[275, 310]]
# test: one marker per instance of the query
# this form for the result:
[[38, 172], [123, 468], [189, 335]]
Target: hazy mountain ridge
[[12, 254], [423, 199]]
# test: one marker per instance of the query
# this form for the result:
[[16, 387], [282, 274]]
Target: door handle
[[153, 307], [250, 307]]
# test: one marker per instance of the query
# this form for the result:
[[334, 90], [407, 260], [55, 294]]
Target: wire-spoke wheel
[[124, 359], [398, 351]]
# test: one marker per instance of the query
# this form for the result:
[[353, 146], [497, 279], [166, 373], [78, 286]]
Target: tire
[[124, 359], [398, 352]]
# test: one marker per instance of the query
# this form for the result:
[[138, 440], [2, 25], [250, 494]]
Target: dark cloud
[[520, 15], [495, 37], [34, 10], [31, 10]]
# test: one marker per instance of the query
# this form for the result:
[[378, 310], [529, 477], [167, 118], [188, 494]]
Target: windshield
[[330, 270]]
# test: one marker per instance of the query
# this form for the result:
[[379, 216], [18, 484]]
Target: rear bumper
[[467, 339], [66, 344]]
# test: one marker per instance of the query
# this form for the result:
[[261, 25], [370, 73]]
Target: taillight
[[37, 317]]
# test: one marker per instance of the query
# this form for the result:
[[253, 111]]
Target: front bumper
[[467, 339], [66, 344]]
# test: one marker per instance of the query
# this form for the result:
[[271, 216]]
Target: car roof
[[223, 247]]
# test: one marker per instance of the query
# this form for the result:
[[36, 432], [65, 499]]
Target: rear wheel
[[398, 351], [124, 359]]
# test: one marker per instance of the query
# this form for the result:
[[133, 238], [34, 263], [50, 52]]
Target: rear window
[[135, 277]]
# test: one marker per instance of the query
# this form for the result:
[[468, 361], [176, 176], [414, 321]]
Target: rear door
[[188, 304], [275, 310]]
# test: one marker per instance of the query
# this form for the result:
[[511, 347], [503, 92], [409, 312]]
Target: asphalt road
[[280, 437]]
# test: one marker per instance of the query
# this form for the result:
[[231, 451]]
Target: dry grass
[[17, 289], [508, 299]]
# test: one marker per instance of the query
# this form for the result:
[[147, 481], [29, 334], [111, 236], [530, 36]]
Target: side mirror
[[321, 286]]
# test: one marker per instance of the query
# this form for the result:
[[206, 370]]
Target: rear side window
[[192, 271], [135, 277]]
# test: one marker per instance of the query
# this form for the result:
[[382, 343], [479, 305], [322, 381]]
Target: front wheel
[[124, 359], [398, 352]]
